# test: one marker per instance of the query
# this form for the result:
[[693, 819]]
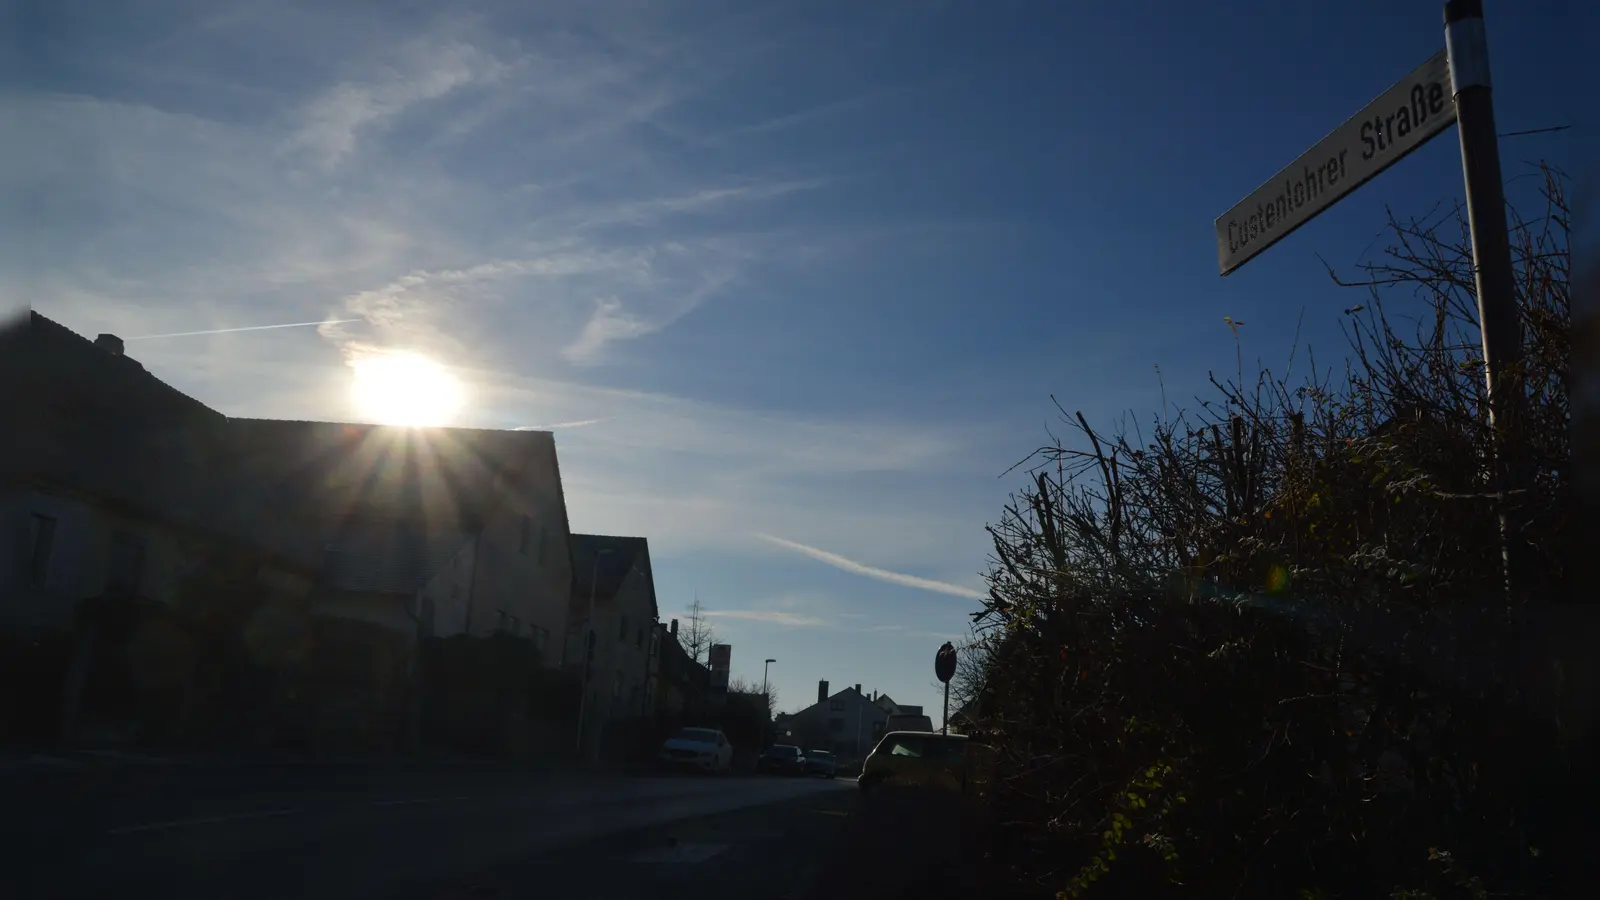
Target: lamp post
[[587, 649]]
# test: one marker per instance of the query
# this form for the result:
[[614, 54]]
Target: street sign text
[[1398, 122]]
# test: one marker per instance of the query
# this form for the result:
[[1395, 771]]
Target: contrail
[[151, 337], [850, 565], [578, 424]]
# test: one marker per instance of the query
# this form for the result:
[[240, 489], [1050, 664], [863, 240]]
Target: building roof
[[602, 562], [96, 420], [822, 706]]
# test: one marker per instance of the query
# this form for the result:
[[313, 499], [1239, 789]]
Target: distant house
[[677, 682], [965, 719], [846, 723], [614, 598]]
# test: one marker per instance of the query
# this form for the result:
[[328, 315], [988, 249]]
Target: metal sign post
[[1498, 318], [944, 667]]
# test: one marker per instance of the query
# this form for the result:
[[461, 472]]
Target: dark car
[[782, 759], [821, 762]]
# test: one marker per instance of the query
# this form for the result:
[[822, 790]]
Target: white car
[[702, 749]]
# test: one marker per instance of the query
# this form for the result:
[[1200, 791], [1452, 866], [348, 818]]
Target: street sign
[[944, 663], [719, 657], [1404, 118]]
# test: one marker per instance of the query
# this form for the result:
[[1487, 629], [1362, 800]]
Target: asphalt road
[[406, 832], [824, 845]]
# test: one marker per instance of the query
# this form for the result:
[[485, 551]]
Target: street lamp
[[588, 647]]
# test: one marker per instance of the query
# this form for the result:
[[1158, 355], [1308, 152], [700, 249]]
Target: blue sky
[[793, 282]]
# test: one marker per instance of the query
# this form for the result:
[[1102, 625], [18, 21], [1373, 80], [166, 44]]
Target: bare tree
[[973, 658], [697, 635], [746, 686]]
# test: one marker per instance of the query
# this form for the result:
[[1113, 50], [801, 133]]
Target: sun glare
[[406, 389]]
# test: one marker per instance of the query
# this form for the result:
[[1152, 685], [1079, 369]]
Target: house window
[[525, 535], [42, 548], [125, 564], [836, 705], [836, 725]]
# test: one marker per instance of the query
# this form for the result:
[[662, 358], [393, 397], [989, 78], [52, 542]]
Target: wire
[[1534, 131]]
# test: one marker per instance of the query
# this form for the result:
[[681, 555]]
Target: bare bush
[[1267, 650]]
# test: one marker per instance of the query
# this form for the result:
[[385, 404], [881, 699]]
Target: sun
[[406, 389]]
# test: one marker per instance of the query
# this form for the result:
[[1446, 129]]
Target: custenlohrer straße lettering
[[1379, 135]]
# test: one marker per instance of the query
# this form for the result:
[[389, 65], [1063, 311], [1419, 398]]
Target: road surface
[[365, 831]]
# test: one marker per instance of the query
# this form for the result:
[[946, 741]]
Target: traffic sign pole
[[944, 668], [1498, 317]]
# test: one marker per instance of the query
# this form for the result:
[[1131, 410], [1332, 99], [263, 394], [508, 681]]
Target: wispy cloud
[[905, 631], [769, 616], [859, 568], [610, 322], [332, 122]]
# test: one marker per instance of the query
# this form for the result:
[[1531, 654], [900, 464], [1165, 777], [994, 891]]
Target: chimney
[[674, 628], [110, 343], [858, 688], [822, 691]]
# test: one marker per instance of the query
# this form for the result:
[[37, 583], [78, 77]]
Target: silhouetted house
[[679, 683], [846, 723], [421, 532], [614, 598], [110, 482], [103, 476]]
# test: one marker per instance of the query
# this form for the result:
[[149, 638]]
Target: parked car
[[698, 749], [821, 762], [782, 759], [919, 759]]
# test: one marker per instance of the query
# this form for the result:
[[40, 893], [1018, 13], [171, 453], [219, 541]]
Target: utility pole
[[1499, 319]]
